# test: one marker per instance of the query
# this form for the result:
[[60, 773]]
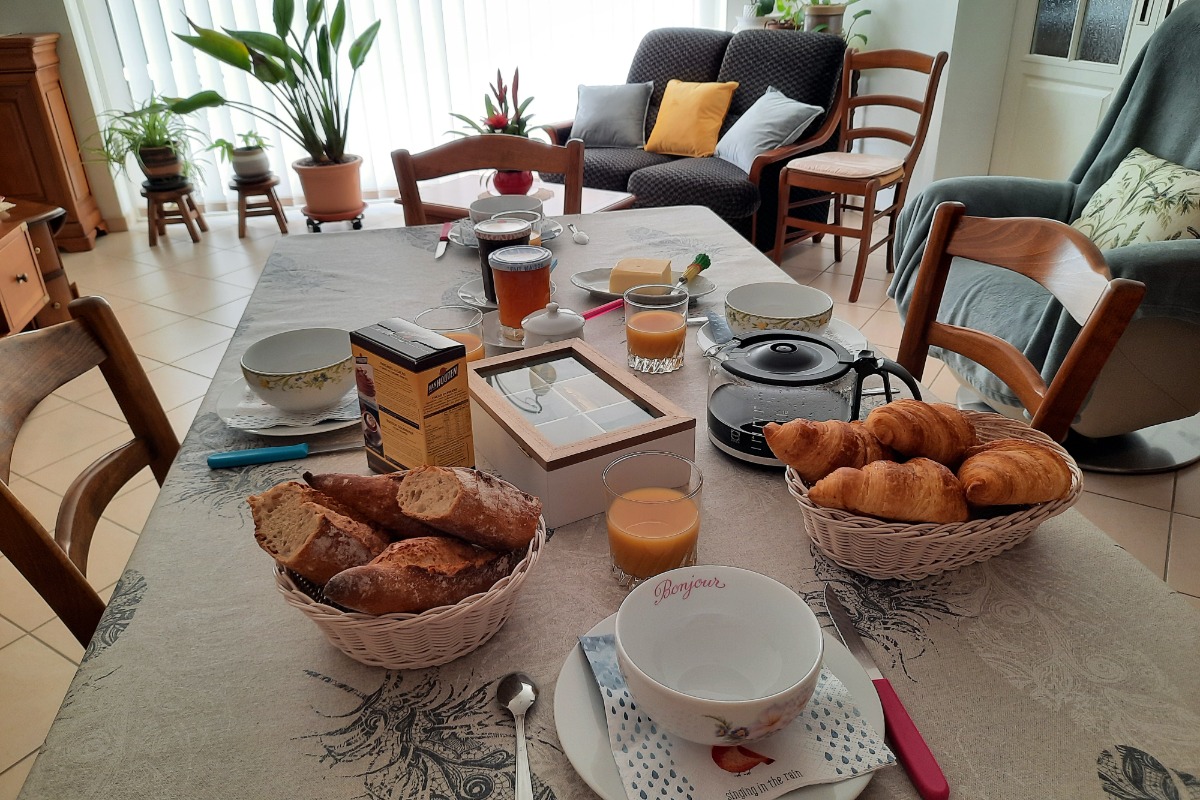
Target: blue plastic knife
[[266, 455]]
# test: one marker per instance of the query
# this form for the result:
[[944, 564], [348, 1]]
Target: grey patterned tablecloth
[[1059, 669]]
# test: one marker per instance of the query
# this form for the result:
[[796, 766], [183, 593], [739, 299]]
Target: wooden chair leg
[[838, 201], [864, 244], [241, 215], [185, 213], [785, 194], [197, 212], [273, 199], [891, 243], [152, 220]]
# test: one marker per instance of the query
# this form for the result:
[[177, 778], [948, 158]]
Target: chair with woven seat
[[489, 151], [38, 363], [843, 174], [1059, 258]]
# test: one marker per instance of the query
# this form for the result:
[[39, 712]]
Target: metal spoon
[[517, 692], [579, 236]]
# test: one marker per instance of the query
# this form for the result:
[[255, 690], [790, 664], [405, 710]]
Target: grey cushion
[[612, 116], [774, 120], [714, 182]]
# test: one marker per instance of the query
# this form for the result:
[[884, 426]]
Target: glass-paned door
[[1082, 30]]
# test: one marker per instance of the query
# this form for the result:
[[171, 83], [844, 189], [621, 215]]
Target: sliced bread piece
[[471, 505]]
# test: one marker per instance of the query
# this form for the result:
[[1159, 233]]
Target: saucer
[[472, 292], [550, 230], [582, 731], [494, 342], [838, 330], [595, 282], [227, 405]]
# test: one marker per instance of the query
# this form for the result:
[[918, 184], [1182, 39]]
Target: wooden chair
[[841, 174], [37, 363], [1065, 263], [488, 151]]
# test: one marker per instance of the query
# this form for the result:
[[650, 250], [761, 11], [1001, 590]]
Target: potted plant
[[299, 65], [754, 15], [159, 139], [506, 119], [250, 162], [822, 16]]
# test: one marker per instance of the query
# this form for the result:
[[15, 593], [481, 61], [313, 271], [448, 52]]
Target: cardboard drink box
[[549, 419], [412, 390]]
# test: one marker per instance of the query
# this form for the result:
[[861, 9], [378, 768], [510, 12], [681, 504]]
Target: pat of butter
[[630, 272]]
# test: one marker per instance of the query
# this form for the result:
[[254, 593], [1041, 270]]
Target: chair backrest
[[35, 365], [1065, 263], [488, 151], [856, 127]]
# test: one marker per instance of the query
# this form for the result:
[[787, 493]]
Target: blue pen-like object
[[267, 455]]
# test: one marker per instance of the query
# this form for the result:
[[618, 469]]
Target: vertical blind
[[430, 58]]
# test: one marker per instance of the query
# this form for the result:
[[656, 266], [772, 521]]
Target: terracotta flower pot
[[510, 181], [828, 16], [331, 191]]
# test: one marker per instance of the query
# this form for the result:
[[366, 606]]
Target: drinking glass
[[460, 323], [653, 514], [522, 280], [492, 234], [535, 220], [655, 327]]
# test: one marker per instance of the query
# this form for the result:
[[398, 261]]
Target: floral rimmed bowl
[[777, 306], [304, 370], [718, 655]]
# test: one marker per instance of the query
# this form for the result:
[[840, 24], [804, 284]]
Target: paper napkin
[[830, 741], [252, 413]]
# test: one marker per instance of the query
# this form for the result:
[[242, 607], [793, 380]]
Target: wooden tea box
[[549, 419]]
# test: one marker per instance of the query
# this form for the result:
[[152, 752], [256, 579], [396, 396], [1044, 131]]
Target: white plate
[[595, 282], [838, 330], [579, 717], [550, 230], [227, 405], [472, 292]]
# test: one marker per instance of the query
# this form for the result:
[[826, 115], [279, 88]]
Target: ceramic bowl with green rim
[[302, 371], [777, 306]]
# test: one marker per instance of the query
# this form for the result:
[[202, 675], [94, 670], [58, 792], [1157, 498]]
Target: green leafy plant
[[251, 140], [500, 116], [299, 66], [793, 11], [122, 135]]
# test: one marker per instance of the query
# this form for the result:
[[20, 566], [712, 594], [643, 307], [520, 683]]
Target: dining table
[[1061, 668]]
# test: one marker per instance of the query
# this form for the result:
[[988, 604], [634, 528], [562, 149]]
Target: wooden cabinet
[[36, 223], [40, 158], [22, 292]]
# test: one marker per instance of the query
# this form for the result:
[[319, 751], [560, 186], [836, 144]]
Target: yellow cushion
[[690, 117]]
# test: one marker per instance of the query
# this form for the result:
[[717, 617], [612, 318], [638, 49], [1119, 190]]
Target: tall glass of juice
[[655, 327], [653, 514], [460, 323], [522, 279]]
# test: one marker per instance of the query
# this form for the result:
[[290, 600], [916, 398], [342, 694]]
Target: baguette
[[372, 498], [471, 505], [308, 532], [1013, 472], [418, 574], [920, 490], [916, 429], [815, 449]]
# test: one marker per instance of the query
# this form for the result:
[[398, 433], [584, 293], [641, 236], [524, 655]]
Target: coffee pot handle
[[870, 364]]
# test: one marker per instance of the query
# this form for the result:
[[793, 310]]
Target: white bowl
[[304, 370], [718, 655], [489, 207], [777, 306]]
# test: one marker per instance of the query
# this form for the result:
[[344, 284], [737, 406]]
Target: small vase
[[511, 181]]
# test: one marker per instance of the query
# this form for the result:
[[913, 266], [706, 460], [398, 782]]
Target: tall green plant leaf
[[324, 55], [282, 12], [362, 45], [262, 42], [205, 99], [337, 26], [316, 10], [218, 45]]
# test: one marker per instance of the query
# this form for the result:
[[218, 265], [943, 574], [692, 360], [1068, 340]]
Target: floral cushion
[[1147, 199]]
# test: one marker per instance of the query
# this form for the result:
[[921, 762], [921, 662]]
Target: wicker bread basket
[[412, 641], [909, 551]]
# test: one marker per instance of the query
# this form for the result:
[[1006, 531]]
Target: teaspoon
[[516, 692], [579, 236]]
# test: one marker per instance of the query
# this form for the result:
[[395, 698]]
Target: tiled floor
[[179, 304]]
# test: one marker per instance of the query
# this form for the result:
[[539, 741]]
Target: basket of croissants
[[402, 570], [920, 488]]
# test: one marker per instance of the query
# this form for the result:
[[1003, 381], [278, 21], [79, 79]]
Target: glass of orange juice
[[460, 323], [656, 326], [653, 514]]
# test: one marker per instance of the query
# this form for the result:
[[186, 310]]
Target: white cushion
[[849, 165]]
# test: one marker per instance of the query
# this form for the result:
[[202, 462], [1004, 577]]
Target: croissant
[[920, 490], [815, 449], [1013, 472], [928, 430]]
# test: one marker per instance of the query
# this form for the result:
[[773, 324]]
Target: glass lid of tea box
[[565, 400]]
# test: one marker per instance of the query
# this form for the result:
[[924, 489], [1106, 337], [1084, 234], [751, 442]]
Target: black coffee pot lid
[[787, 358]]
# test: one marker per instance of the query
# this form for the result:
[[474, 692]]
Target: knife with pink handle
[[905, 740]]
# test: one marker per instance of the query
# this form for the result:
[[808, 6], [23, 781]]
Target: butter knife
[[267, 455], [901, 734], [442, 239]]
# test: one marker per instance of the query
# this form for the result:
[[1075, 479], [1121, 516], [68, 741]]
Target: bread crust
[[920, 490], [418, 574], [372, 498], [472, 505], [300, 528], [1013, 472], [916, 429], [815, 449]]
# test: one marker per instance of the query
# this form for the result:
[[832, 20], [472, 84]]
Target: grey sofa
[[804, 66]]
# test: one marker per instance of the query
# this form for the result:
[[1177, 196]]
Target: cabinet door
[[22, 292]]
